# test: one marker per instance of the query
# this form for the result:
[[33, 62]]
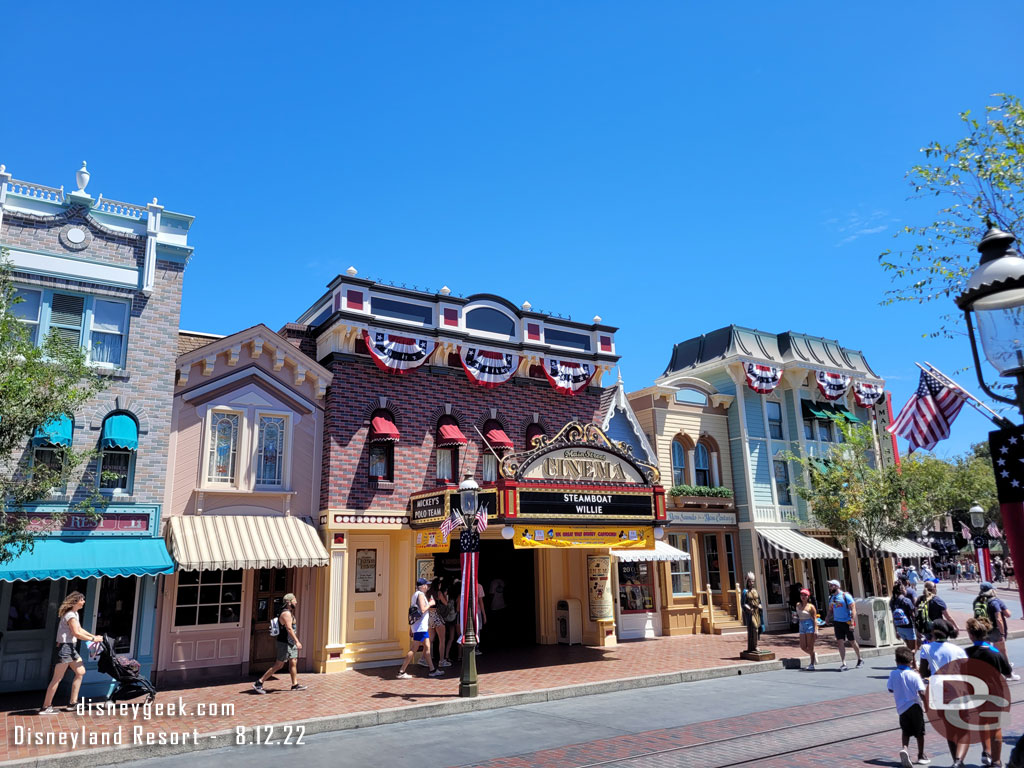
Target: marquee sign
[[577, 537], [431, 508], [581, 465], [596, 505], [126, 521]]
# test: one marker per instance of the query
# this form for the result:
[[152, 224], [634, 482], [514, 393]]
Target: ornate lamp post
[[980, 541], [469, 542], [995, 296]]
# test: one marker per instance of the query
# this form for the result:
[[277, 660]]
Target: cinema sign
[[581, 465]]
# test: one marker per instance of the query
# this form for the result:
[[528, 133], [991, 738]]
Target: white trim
[[240, 449], [252, 371], [78, 269], [620, 402]]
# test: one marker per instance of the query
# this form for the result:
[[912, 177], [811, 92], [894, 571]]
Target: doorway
[[368, 585], [272, 584], [712, 562], [26, 645]]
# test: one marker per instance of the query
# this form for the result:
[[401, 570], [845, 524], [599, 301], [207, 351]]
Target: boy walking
[[908, 690]]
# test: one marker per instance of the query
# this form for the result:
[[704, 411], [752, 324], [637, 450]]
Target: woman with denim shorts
[[807, 616]]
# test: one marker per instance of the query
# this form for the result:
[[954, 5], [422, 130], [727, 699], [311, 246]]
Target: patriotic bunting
[[763, 379], [866, 394], [568, 376], [488, 367], [395, 353], [469, 543], [832, 385], [928, 414]]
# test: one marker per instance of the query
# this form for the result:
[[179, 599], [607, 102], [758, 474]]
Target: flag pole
[[975, 403], [487, 444]]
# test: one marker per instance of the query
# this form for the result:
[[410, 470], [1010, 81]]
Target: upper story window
[[532, 431], [678, 463], [223, 448], [490, 321], [402, 310], [566, 339], [774, 411], [689, 396], [808, 429], [782, 482], [449, 440], [98, 324], [825, 431], [383, 436], [701, 465], [270, 450], [118, 444]]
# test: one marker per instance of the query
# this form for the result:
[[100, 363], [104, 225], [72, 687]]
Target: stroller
[[126, 673]]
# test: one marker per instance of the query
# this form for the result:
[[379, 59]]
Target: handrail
[[739, 606], [118, 208], [711, 611], [36, 191]]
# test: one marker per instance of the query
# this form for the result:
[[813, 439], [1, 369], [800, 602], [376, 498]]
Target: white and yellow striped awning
[[226, 542], [897, 547], [787, 544]]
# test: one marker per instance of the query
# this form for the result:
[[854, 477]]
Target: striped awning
[[897, 547], [662, 552], [787, 544], [226, 542]]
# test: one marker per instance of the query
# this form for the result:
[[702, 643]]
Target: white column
[[336, 603], [152, 231], [715, 480], [692, 466]]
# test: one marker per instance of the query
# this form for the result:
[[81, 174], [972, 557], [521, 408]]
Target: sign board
[[579, 505], [366, 571], [693, 517], [581, 465], [77, 524], [599, 586], [430, 540], [577, 537], [430, 507], [425, 568], [485, 499]]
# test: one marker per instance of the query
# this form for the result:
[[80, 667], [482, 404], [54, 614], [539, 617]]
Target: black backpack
[[415, 614]]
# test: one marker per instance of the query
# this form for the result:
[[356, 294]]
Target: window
[[382, 460], [51, 458], [782, 482], [115, 469], [567, 339], [682, 579], [208, 597], [532, 431], [774, 419], [636, 587], [446, 464], [402, 310], [730, 560], [29, 607], [490, 468], [691, 396], [26, 309], [223, 449], [678, 463], [701, 465], [773, 582], [67, 313], [109, 323], [115, 611], [808, 429], [825, 431], [270, 451], [490, 321]]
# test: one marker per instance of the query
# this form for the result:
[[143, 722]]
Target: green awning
[[815, 410], [55, 432], [843, 412], [820, 465], [120, 431]]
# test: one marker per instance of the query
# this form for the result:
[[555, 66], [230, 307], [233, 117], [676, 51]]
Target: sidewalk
[[374, 696]]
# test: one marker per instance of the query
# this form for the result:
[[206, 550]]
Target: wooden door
[[29, 635], [271, 585], [368, 589]]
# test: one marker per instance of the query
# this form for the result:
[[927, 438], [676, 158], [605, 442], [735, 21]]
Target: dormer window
[[490, 320]]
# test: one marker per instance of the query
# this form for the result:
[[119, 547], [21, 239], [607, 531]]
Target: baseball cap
[[420, 582], [805, 591], [834, 582], [289, 598], [985, 586]]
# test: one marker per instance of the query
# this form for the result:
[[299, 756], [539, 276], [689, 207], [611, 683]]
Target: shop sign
[[79, 524], [430, 540], [429, 507], [693, 517], [599, 568], [579, 537], [366, 571], [581, 465], [487, 499], [584, 504]]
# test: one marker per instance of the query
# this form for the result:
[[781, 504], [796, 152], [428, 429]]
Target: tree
[[37, 384], [979, 177], [856, 500], [954, 486]]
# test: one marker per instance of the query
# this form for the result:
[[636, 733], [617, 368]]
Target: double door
[[718, 561], [272, 584]]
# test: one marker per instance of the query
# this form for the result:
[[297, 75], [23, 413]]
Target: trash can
[[569, 622], [874, 622]]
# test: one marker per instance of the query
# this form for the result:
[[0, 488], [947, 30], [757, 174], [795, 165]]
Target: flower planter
[[682, 502]]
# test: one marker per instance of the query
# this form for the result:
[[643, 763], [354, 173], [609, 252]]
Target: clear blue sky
[[673, 167]]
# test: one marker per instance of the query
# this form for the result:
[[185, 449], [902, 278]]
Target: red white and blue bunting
[[763, 379], [488, 367], [832, 385], [395, 353], [568, 376], [866, 394]]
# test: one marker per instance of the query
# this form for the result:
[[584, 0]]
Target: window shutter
[[66, 315]]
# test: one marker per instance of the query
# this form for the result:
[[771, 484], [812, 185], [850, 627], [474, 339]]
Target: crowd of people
[[957, 570]]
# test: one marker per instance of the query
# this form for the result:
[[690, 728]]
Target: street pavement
[[782, 719]]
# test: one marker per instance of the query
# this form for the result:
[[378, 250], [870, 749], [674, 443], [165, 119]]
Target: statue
[[753, 618]]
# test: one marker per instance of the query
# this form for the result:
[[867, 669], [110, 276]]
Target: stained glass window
[[223, 448], [270, 451]]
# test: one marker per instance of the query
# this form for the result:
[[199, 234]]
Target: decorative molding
[[121, 403], [278, 359], [492, 413], [722, 401], [448, 410], [256, 347], [209, 363], [183, 372], [233, 354], [383, 404], [300, 375]]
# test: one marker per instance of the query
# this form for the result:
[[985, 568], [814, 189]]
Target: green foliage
[[955, 485], [719, 492], [37, 384], [979, 177]]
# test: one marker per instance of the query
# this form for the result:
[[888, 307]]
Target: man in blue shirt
[[840, 613], [913, 576]]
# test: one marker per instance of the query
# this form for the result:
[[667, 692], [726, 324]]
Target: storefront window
[[636, 587], [682, 579], [115, 611], [29, 605], [712, 562], [208, 597], [730, 560], [490, 469], [773, 582]]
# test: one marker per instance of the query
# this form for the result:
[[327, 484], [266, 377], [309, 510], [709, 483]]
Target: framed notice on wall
[[366, 570], [599, 592], [425, 568]]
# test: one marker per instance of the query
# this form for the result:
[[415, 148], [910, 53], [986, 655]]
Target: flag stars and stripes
[[928, 414]]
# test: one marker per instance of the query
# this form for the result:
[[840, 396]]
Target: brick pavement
[[536, 668]]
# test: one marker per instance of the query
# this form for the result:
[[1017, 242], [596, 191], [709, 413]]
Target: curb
[[102, 756]]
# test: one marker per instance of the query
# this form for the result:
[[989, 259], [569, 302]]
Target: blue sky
[[673, 167]]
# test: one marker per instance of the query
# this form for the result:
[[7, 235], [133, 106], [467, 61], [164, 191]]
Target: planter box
[[716, 502]]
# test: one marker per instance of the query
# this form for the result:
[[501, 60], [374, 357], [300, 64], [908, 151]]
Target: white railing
[[789, 514], [36, 191], [118, 208], [766, 514]]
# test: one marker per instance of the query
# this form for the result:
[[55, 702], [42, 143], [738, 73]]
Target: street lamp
[[470, 543], [980, 540]]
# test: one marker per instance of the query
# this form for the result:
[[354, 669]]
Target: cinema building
[[429, 387]]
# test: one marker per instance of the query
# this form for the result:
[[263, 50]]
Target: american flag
[[965, 531], [450, 524], [469, 543], [481, 518], [994, 532], [928, 414]]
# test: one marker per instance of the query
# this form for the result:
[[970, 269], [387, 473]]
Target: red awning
[[448, 433], [383, 429], [532, 431], [497, 438]]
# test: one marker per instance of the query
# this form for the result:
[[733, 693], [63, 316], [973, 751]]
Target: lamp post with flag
[[469, 543], [995, 296]]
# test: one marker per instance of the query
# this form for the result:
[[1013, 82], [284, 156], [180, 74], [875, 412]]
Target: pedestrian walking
[[908, 590], [908, 689], [807, 617], [997, 569], [913, 576], [927, 574], [929, 608], [438, 614], [69, 630], [419, 630], [956, 573], [840, 614], [902, 608], [982, 650], [288, 645], [936, 654], [1011, 574], [988, 606]]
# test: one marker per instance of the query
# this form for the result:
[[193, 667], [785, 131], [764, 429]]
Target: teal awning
[[846, 414], [120, 431], [56, 431], [814, 410], [87, 557]]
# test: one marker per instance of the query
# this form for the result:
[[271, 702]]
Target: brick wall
[[357, 385]]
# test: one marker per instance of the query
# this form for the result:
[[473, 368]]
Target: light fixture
[[507, 532], [977, 516], [468, 493], [659, 533]]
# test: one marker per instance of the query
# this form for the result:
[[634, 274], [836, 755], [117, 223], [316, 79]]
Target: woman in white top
[[68, 631]]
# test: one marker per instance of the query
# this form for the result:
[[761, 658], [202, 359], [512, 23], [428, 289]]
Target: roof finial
[[351, 272], [618, 369], [445, 290], [82, 178], [527, 306], [597, 319]]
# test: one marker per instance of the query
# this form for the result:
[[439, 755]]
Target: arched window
[[449, 440], [691, 396], [701, 465], [490, 321], [532, 431], [119, 442], [497, 443], [678, 463]]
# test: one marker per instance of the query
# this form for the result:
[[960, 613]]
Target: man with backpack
[[284, 628], [988, 606], [840, 613], [930, 608]]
